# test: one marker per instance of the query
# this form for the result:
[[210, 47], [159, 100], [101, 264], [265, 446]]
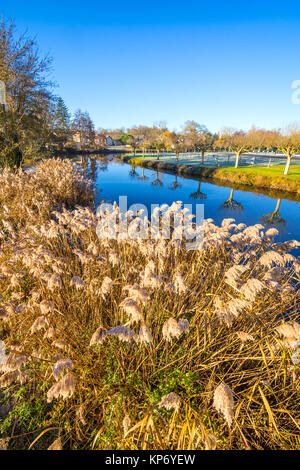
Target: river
[[114, 178]]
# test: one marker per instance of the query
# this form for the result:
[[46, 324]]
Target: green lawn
[[294, 171]]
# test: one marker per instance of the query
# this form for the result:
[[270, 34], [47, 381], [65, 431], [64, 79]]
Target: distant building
[[102, 140], [109, 141], [78, 141]]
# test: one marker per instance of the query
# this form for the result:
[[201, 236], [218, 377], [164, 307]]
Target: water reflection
[[198, 194], [143, 177], [150, 186], [157, 181], [274, 217], [232, 203], [133, 171], [175, 184], [103, 165]]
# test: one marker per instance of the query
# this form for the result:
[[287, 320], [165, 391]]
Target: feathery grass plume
[[133, 310], [93, 249], [83, 257], [271, 233], [13, 362], [150, 279], [54, 282], [122, 332], [65, 388], [49, 333], [244, 337], [56, 445], [13, 376], [227, 222], [288, 258], [77, 282], [7, 271], [223, 402], [61, 344], [170, 288], [252, 287], [290, 245], [184, 325], [21, 308], [114, 259], [171, 401], [144, 336], [269, 258], [210, 441], [273, 274], [137, 293], [60, 366], [235, 306], [126, 425], [233, 274], [106, 286], [180, 283], [39, 323], [46, 307], [99, 336], [173, 329], [290, 332], [14, 281], [224, 314]]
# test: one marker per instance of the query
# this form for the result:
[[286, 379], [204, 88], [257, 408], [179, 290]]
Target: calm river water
[[114, 178]]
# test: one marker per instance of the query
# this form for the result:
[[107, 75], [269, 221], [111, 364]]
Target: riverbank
[[253, 178]]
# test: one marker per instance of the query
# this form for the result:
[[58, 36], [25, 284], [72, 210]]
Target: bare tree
[[26, 121], [289, 144], [84, 127], [237, 141]]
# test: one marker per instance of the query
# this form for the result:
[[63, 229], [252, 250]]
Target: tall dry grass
[[122, 344]]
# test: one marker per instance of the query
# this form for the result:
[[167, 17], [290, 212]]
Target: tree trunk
[[277, 205], [237, 159], [202, 161], [287, 166]]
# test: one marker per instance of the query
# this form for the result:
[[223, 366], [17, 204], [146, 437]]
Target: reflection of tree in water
[[143, 177], [133, 171], [157, 181], [232, 203], [198, 194], [274, 217], [83, 161], [103, 165], [93, 169], [175, 184]]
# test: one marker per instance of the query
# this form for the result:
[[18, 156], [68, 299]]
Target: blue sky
[[221, 63]]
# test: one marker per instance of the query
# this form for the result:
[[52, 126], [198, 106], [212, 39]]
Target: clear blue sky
[[218, 62]]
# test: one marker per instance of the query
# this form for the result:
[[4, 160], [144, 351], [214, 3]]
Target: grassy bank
[[255, 178], [140, 344]]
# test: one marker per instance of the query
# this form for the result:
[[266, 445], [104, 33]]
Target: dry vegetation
[[115, 344]]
